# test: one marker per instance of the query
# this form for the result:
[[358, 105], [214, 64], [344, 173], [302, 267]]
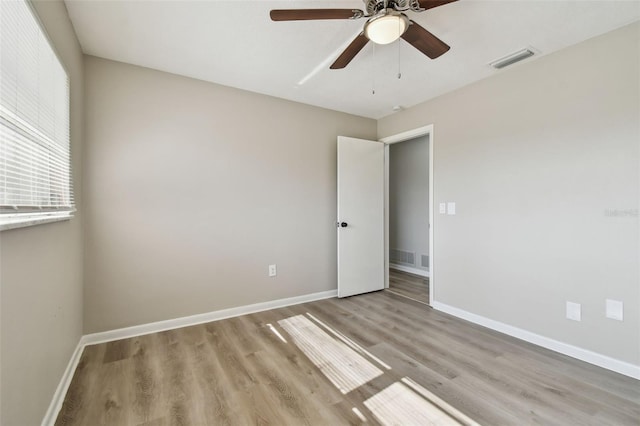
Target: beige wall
[[193, 189], [534, 158], [41, 272]]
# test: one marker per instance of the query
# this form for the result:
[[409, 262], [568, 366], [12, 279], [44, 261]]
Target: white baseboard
[[61, 391], [409, 269], [595, 358], [154, 327]]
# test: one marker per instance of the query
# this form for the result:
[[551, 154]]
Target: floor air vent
[[402, 257]]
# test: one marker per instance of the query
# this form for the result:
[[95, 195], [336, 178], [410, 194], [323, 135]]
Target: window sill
[[7, 223]]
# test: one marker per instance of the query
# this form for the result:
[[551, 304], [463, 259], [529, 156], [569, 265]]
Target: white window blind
[[35, 172]]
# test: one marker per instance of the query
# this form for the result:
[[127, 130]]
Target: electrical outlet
[[451, 208], [272, 271], [615, 309], [574, 311]]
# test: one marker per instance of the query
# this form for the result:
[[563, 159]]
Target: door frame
[[402, 137]]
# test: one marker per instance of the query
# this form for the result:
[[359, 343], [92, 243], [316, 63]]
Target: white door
[[360, 216]]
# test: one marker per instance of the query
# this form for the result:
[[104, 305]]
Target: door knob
[[343, 224]]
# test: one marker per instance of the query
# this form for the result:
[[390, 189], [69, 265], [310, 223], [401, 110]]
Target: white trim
[[386, 216], [409, 269], [154, 327], [401, 137], [61, 391], [25, 219], [409, 134], [594, 358], [432, 206]]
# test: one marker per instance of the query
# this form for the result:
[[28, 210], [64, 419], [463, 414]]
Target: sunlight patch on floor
[[359, 414], [350, 342], [399, 405], [343, 366], [276, 332]]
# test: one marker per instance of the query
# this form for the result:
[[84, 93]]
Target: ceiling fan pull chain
[[373, 67], [399, 69]]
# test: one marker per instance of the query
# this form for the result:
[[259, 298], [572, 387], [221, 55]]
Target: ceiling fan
[[386, 22]]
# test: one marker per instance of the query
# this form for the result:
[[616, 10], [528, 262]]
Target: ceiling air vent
[[512, 58]]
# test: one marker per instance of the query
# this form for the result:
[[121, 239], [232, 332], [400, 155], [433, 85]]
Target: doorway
[[409, 214]]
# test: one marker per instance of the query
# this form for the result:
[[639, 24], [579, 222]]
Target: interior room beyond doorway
[[409, 251]]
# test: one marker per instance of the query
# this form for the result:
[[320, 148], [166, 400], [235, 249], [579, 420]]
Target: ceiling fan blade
[[424, 41], [430, 4], [312, 14], [350, 52]]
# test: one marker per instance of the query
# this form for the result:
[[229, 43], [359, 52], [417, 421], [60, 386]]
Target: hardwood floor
[[379, 357], [409, 285]]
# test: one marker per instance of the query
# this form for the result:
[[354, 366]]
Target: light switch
[[451, 208], [615, 309], [573, 311], [443, 208]]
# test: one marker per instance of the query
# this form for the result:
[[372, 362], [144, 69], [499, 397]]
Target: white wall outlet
[[574, 311], [615, 309], [451, 208], [272, 271], [442, 208]]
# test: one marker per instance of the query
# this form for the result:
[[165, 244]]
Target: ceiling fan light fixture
[[386, 27]]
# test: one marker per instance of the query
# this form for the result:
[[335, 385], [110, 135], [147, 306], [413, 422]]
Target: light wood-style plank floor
[[325, 363], [409, 285]]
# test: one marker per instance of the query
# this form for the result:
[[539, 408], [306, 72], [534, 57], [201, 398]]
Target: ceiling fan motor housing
[[374, 6]]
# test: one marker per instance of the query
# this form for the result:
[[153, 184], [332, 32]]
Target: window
[[35, 171]]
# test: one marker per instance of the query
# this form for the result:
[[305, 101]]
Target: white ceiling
[[234, 43]]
